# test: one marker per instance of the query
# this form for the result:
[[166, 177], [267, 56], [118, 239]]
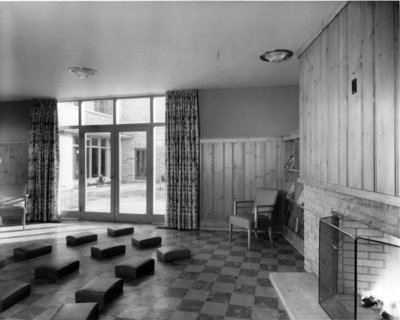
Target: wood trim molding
[[238, 139], [325, 22], [373, 196]]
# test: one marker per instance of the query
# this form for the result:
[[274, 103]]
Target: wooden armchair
[[247, 213], [13, 203]]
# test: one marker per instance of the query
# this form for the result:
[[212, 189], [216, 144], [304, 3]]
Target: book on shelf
[[291, 163], [300, 199], [290, 192]]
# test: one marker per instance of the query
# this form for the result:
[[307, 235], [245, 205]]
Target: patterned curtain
[[182, 159], [43, 162]]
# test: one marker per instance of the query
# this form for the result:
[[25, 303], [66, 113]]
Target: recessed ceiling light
[[83, 73], [276, 56]]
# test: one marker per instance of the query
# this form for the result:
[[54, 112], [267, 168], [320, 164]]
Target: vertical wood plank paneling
[[363, 131], [238, 171], [367, 98], [333, 104], [397, 94], [207, 174], [270, 165], [249, 173], [232, 170], [384, 97], [343, 102], [228, 179], [323, 107], [354, 113], [218, 180], [302, 116], [279, 164], [260, 172], [14, 163]]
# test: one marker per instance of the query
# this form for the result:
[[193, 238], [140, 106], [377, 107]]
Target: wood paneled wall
[[352, 139], [232, 169], [14, 163]]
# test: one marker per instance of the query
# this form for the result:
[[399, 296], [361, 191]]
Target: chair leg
[[270, 234], [230, 231], [248, 238]]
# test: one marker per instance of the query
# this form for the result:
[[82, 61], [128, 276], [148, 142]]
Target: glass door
[[133, 174], [97, 174]]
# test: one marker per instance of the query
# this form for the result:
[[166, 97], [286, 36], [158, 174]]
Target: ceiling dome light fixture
[[83, 73], [276, 56]]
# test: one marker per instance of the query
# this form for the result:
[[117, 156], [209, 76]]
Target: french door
[[117, 174]]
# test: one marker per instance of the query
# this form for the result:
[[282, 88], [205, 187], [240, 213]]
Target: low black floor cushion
[[32, 250], [100, 290], [2, 262], [81, 238], [56, 269], [11, 292], [172, 253], [77, 311], [134, 268], [116, 232], [101, 252], [145, 241]]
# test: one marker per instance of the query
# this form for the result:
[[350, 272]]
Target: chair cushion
[[144, 241], [80, 238], [172, 253], [116, 232], [12, 291], [242, 220], [32, 250], [107, 251], [56, 269], [77, 311], [134, 268], [100, 290]]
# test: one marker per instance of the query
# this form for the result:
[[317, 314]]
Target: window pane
[[68, 114], [159, 109], [160, 194], [69, 170], [133, 110], [98, 165], [97, 112], [132, 168]]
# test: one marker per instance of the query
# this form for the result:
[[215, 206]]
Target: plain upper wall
[[14, 121], [249, 112], [244, 112]]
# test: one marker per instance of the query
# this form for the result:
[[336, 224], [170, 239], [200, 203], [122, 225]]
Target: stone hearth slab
[[299, 294]]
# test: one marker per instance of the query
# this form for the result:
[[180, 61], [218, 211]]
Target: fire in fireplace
[[359, 270]]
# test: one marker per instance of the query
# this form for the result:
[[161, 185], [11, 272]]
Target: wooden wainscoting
[[14, 163], [232, 169]]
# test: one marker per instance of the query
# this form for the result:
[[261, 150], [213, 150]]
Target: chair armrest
[[242, 204]]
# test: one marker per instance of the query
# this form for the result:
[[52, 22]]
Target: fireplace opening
[[359, 270]]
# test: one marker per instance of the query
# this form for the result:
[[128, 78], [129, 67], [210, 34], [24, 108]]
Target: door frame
[[134, 217], [92, 215]]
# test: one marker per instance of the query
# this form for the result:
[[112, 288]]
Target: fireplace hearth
[[359, 270]]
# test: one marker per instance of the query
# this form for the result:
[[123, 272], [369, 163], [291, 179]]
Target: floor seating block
[[11, 292], [32, 250], [81, 238], [101, 252], [2, 262], [134, 268], [56, 269], [77, 311], [100, 290], [172, 253], [145, 241], [116, 232]]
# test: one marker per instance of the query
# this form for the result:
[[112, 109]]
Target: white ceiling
[[149, 47]]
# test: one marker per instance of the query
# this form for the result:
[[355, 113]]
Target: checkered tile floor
[[222, 280]]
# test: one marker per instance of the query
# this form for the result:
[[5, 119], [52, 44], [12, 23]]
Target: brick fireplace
[[320, 202]]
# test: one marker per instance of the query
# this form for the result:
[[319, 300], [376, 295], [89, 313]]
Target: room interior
[[321, 128]]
